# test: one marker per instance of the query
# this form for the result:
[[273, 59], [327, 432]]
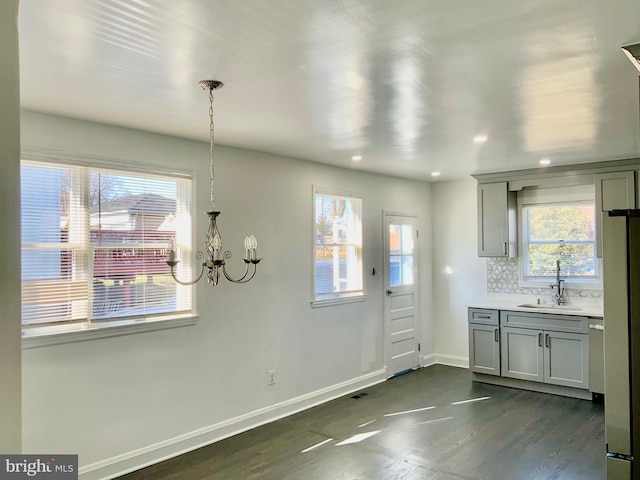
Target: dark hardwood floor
[[512, 434]]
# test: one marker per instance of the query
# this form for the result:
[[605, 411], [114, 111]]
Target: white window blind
[[338, 266], [94, 241]]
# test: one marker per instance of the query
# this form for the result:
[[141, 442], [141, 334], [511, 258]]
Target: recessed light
[[356, 158], [480, 138], [435, 174], [545, 161]]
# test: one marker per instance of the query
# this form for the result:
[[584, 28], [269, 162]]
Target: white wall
[[459, 275], [10, 354], [124, 401]]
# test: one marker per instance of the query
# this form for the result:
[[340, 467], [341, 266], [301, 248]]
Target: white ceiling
[[407, 84]]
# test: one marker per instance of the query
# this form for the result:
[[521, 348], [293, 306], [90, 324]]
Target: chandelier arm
[[242, 279], [192, 282]]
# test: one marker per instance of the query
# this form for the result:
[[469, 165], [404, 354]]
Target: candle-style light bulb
[[247, 246], [217, 246], [254, 245], [172, 250]]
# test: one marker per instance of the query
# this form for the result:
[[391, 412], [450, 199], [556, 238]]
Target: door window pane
[[407, 270], [401, 247], [407, 239]]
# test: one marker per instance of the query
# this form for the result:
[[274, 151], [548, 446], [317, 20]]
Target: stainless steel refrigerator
[[621, 259]]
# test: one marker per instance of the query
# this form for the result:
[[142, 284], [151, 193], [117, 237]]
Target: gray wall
[[459, 275], [10, 367], [120, 402]]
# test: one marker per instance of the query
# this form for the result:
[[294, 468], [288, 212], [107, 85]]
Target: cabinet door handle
[[540, 339], [504, 248], [483, 316], [495, 334], [547, 340]]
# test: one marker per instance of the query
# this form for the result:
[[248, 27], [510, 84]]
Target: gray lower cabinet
[[484, 341], [566, 359], [522, 355], [484, 349], [546, 348], [553, 357]]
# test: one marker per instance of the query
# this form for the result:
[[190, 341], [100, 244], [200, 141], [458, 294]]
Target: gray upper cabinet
[[497, 227], [615, 186], [614, 191]]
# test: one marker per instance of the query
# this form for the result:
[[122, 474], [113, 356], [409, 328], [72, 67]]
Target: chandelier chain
[[212, 164]]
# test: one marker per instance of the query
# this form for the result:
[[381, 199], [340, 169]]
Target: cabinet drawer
[[545, 321], [484, 316]]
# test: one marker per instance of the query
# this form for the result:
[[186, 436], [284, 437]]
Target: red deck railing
[[126, 260]]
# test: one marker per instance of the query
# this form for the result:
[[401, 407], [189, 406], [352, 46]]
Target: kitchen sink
[[549, 307]]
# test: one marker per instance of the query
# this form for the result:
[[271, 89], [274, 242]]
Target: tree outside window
[[563, 231]]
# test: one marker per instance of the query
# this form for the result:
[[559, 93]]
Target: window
[[401, 255], [94, 241], [559, 231], [338, 266]]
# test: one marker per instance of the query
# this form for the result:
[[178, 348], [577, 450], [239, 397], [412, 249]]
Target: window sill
[[46, 335], [569, 284], [326, 302]]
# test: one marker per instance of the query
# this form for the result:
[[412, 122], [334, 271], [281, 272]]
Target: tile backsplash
[[503, 277]]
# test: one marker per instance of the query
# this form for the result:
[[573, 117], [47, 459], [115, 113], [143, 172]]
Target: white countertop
[[578, 310]]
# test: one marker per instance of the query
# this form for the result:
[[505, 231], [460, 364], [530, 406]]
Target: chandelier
[[214, 258]]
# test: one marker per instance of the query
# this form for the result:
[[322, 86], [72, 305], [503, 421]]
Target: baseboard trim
[[428, 360], [452, 360], [438, 358], [134, 460]]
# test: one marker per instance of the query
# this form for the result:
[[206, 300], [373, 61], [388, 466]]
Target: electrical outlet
[[271, 377]]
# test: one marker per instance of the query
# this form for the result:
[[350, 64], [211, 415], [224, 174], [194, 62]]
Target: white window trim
[[339, 298], [46, 335], [569, 283], [51, 334], [545, 196]]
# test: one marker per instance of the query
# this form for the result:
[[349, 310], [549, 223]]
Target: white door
[[401, 299]]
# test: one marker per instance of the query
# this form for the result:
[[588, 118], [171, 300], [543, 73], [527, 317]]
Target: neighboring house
[[148, 211], [125, 231]]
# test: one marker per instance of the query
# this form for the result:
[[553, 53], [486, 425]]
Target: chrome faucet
[[558, 297]]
